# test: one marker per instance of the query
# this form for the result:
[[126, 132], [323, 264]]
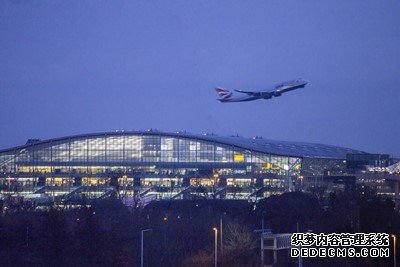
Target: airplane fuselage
[[238, 99], [227, 96]]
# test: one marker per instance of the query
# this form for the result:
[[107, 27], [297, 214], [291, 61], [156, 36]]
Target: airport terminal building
[[166, 165]]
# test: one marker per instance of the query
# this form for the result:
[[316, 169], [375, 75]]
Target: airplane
[[227, 96]]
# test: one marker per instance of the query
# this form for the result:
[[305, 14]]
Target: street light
[[141, 251], [215, 246], [394, 249], [220, 227], [221, 249]]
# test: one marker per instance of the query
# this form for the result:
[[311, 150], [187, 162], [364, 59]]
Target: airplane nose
[[305, 82], [301, 81]]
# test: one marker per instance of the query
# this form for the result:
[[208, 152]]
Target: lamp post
[[220, 227], [141, 251], [215, 246], [394, 249]]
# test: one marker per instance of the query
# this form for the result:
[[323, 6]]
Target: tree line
[[107, 233]]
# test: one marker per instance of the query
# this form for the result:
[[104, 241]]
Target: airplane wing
[[246, 92], [258, 93], [261, 94], [277, 91]]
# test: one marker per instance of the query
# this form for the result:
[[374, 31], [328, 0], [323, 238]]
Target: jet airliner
[[227, 96]]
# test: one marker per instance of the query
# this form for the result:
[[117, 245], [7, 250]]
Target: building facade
[[169, 165]]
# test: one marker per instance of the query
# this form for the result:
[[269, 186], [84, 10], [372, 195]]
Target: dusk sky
[[72, 67]]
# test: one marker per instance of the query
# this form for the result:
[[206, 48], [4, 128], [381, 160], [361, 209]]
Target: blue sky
[[69, 67]]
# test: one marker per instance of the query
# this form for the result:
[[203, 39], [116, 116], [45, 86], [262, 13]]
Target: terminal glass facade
[[166, 165], [144, 153]]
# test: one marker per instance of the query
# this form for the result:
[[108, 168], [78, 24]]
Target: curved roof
[[259, 144]]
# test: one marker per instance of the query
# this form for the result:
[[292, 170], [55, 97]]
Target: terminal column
[[186, 181], [136, 181], [259, 181], [222, 181], [42, 181]]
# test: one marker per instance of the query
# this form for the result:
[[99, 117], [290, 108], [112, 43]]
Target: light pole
[[141, 251], [220, 227], [394, 250], [215, 246]]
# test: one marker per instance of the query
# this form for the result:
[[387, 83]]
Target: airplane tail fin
[[223, 93]]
